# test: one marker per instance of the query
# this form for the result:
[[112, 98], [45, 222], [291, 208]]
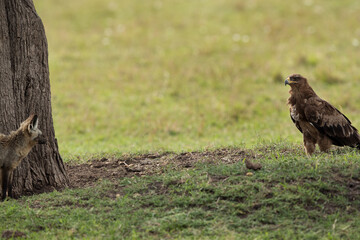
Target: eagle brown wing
[[295, 116], [296, 123], [331, 122]]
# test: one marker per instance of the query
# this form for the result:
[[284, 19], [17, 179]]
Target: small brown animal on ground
[[251, 165]]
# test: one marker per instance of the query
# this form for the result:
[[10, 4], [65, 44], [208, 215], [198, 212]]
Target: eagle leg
[[324, 143], [309, 144]]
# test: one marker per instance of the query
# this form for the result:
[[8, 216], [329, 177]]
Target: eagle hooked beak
[[287, 81]]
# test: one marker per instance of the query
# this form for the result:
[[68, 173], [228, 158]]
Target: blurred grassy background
[[155, 75]]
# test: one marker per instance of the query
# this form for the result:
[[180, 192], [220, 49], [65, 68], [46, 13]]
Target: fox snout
[[41, 139]]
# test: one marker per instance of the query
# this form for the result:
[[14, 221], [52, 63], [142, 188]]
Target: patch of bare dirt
[[7, 234], [87, 174]]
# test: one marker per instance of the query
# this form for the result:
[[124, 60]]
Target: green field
[[165, 77], [292, 197], [140, 76]]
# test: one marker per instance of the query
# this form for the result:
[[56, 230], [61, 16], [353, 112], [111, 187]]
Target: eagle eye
[[296, 78]]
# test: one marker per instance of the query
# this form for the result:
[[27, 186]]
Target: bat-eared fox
[[15, 147]]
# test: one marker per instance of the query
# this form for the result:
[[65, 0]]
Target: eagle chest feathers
[[294, 114], [301, 110], [300, 120]]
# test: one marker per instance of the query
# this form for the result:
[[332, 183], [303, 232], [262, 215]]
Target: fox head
[[31, 130]]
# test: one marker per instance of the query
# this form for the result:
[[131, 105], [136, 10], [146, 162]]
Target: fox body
[[14, 148]]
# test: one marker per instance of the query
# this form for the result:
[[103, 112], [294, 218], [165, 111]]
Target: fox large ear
[[34, 123]]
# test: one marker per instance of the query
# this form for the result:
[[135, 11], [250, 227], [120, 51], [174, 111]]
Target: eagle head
[[300, 88], [295, 80]]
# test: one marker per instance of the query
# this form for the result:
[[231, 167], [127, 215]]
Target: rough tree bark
[[25, 89]]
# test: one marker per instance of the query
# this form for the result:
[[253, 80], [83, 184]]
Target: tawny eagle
[[318, 121]]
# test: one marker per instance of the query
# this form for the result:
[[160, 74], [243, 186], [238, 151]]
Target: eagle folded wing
[[296, 123], [331, 122]]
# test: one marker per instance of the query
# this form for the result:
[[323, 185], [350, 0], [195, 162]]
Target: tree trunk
[[25, 89]]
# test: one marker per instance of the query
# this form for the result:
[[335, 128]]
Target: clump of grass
[[328, 77], [308, 61], [278, 77]]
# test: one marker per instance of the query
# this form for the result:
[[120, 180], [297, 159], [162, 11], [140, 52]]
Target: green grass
[[139, 76], [292, 197]]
